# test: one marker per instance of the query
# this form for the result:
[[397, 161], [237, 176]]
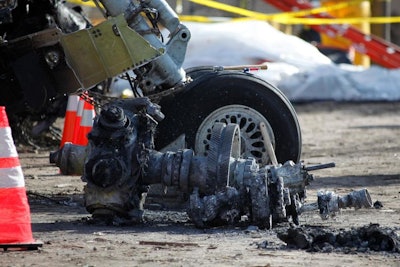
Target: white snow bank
[[295, 66], [247, 42]]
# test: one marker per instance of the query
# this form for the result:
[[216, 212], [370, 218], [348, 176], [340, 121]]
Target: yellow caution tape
[[197, 18], [304, 21], [283, 18], [247, 13], [322, 21], [262, 16], [292, 17], [233, 9], [193, 18]]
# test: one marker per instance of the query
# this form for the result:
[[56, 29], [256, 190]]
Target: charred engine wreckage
[[120, 164], [224, 185]]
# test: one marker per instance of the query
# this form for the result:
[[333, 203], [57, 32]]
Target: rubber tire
[[210, 90]]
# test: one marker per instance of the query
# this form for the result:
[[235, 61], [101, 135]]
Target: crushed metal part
[[329, 203], [363, 239]]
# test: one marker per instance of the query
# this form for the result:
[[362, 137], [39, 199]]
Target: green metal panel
[[106, 50]]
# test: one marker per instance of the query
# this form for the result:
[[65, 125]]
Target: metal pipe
[[268, 144], [387, 26], [320, 166], [70, 158]]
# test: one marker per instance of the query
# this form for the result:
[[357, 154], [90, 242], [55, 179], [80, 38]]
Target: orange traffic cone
[[15, 220], [70, 117], [86, 124], [78, 118]]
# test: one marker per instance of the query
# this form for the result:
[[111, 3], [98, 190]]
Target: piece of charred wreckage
[[120, 164], [237, 129], [34, 79]]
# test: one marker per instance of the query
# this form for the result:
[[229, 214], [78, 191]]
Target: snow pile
[[247, 42], [295, 66]]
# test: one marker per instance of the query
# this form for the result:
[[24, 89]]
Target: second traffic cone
[[15, 220], [78, 118], [69, 121], [86, 124]]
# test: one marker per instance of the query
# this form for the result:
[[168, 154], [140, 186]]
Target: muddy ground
[[361, 138]]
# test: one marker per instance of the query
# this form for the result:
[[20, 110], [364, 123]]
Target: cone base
[[22, 246]]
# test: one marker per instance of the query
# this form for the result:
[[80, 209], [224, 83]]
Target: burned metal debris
[[329, 203], [367, 238], [120, 164]]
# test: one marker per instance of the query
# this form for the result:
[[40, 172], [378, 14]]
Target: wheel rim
[[248, 119]]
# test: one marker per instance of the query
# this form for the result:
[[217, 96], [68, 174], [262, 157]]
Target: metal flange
[[225, 145]]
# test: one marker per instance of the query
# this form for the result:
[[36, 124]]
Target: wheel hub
[[248, 119]]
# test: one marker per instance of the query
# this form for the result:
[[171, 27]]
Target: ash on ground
[[363, 239]]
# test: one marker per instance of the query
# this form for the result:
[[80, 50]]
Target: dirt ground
[[361, 138]]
